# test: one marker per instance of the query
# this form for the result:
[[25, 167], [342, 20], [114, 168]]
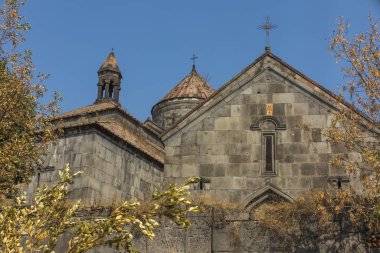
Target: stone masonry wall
[[225, 143], [113, 171]]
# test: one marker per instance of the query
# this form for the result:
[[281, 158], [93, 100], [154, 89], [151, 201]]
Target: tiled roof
[[153, 126], [135, 140], [118, 129], [110, 63], [192, 86], [88, 109]]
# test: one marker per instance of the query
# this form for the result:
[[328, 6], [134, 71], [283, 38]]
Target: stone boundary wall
[[238, 233]]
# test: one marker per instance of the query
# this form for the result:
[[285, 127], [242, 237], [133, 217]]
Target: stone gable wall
[[221, 146]]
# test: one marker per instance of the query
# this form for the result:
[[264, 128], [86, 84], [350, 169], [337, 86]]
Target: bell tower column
[[109, 83]]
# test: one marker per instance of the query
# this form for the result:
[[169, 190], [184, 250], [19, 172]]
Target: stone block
[[307, 169], [169, 239], [239, 149], [283, 98], [221, 183], [190, 150], [294, 122], [313, 108], [278, 109], [235, 110], [235, 196], [190, 170], [298, 183], [289, 110], [294, 135], [230, 137], [227, 123], [189, 159], [336, 149], [220, 170], [319, 182], [205, 137], [202, 159], [172, 151], [220, 159], [208, 124], [296, 148], [301, 108], [295, 169], [260, 97], [288, 158], [222, 123], [300, 98], [219, 149], [173, 159], [280, 182], [189, 138], [322, 168], [321, 147], [206, 170], [77, 161], [198, 235], [284, 169], [247, 90], [250, 169], [253, 137], [256, 152], [315, 121], [239, 158], [301, 158], [316, 134], [239, 183], [277, 88], [223, 111], [238, 137], [233, 170], [174, 141], [253, 183]]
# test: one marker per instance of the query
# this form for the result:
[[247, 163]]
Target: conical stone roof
[[110, 63], [192, 86]]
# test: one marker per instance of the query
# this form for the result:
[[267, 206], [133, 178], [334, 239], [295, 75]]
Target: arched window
[[268, 126]]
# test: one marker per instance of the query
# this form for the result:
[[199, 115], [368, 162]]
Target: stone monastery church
[[245, 140]]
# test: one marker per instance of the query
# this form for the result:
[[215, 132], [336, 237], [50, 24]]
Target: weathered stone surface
[[226, 143]]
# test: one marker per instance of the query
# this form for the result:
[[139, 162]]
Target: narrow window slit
[[269, 153]]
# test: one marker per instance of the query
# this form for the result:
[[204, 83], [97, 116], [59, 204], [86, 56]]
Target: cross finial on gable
[[267, 27]]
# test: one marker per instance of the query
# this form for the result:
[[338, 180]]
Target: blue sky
[[154, 40]]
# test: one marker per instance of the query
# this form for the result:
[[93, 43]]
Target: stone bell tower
[[109, 83]]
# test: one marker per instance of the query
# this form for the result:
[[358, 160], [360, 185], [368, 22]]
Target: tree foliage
[[22, 115], [38, 227], [359, 133], [25, 132]]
